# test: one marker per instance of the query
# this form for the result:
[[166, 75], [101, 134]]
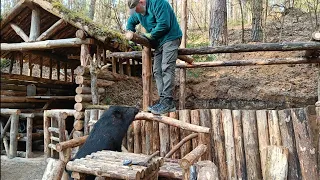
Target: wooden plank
[[288, 141], [229, 143], [238, 143], [274, 130], [251, 144], [218, 138], [184, 116], [263, 136], [276, 163], [306, 150]]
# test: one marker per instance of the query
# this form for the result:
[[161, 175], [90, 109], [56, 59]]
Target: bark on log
[[48, 44], [276, 163], [87, 90], [229, 143], [183, 141], [156, 138], [54, 170], [205, 121], [149, 137], [193, 156], [195, 119], [218, 138], [137, 136], [71, 143], [172, 122], [238, 143], [288, 141], [94, 79], [130, 140], [306, 150], [274, 130], [164, 135], [263, 136], [102, 74], [182, 88], [250, 62], [251, 144], [174, 135], [53, 29], [184, 116], [13, 135]]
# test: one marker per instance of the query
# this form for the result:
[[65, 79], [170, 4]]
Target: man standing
[[164, 34]]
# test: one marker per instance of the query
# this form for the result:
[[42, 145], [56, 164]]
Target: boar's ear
[[117, 114]]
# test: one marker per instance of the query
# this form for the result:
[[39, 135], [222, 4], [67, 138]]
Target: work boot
[[154, 106], [166, 106]]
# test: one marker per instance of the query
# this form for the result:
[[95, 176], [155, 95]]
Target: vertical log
[[30, 65], [130, 140], [41, 66], [58, 70], [35, 24], [156, 137], [29, 138], [184, 115], [86, 122], [137, 136], [251, 144], [149, 137], [50, 71], [121, 67], [13, 135], [195, 119], [205, 121], [276, 163], [218, 138], [263, 136], [174, 135], [288, 141], [94, 79], [83, 54], [143, 137], [114, 65], [238, 143], [229, 143], [306, 150], [46, 134], [182, 87], [66, 71], [164, 138], [274, 130], [93, 117], [128, 68]]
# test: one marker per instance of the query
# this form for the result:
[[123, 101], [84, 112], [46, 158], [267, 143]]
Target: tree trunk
[[92, 9], [218, 31], [257, 21]]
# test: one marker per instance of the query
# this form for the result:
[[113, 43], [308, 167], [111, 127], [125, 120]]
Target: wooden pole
[[251, 144], [130, 140], [61, 146], [238, 143], [218, 138], [263, 136], [54, 169], [20, 32], [174, 135], [164, 139], [46, 134], [193, 156], [35, 24], [156, 136], [87, 90], [274, 130], [195, 119], [114, 65], [205, 121], [175, 148], [288, 141], [229, 143], [306, 150], [29, 137], [251, 62], [182, 87], [276, 163], [86, 122], [53, 29], [102, 74], [13, 135], [184, 116]]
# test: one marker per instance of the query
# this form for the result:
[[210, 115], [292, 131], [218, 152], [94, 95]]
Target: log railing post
[[46, 134], [13, 135], [29, 137]]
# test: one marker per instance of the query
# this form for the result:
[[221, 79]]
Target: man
[[164, 34]]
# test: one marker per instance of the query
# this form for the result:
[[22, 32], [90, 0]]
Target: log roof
[[50, 13]]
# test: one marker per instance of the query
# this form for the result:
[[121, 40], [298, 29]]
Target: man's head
[[138, 6]]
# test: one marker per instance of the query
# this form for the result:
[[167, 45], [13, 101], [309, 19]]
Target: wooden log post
[[205, 121], [229, 143], [184, 116], [218, 138], [276, 166], [29, 137], [288, 141], [263, 136], [13, 135], [149, 137], [84, 48], [130, 140], [175, 135], [193, 156], [238, 143], [54, 169], [207, 170], [46, 134], [274, 130], [86, 122], [164, 135], [93, 71], [195, 119], [305, 148], [35, 24], [182, 88], [251, 144], [156, 136], [20, 32]]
